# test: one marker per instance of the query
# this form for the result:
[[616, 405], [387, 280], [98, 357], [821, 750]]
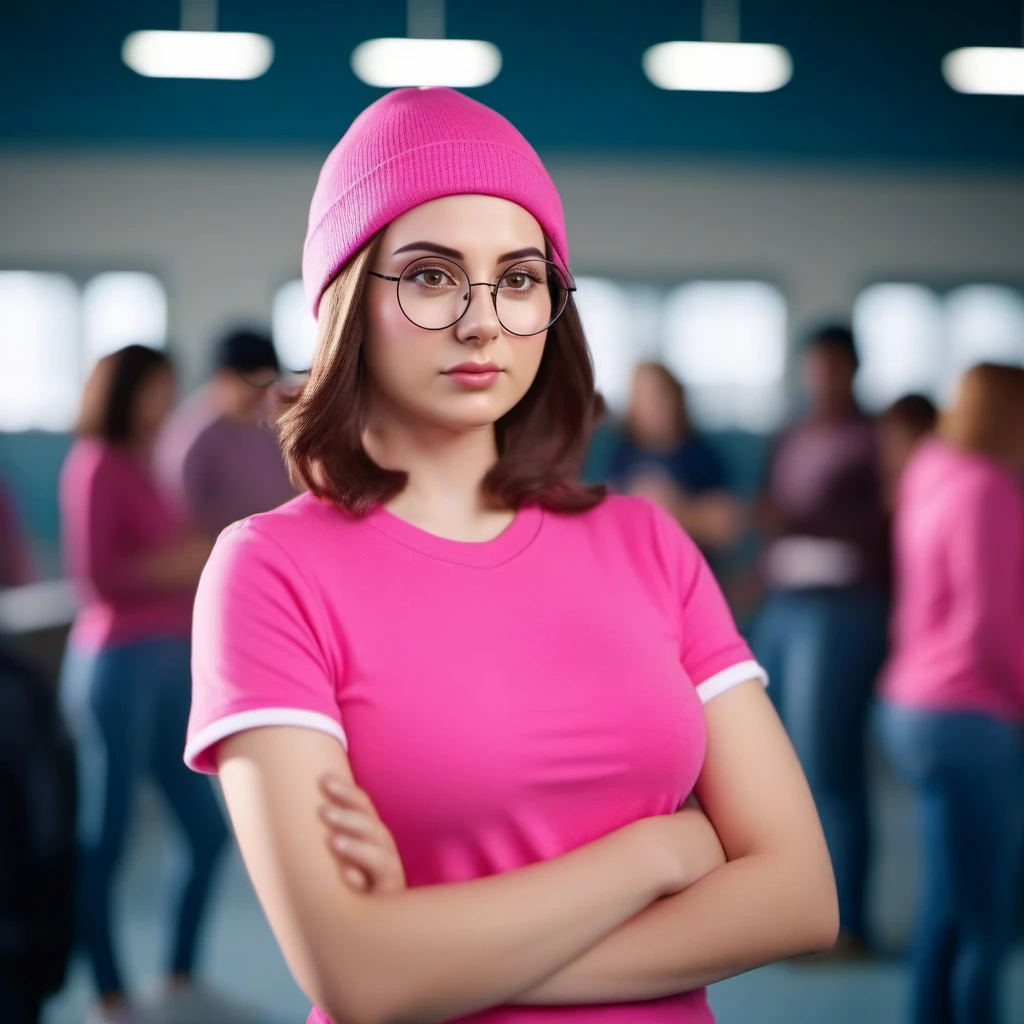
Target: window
[[121, 309], [604, 311], [913, 338], [293, 327], [901, 339], [726, 342], [54, 331], [40, 380], [985, 323]]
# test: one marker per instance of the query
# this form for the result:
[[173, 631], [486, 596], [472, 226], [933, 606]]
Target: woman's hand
[[370, 861], [359, 840]]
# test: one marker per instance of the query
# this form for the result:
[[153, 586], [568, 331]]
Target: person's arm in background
[[99, 523], [15, 564], [986, 557], [709, 511]]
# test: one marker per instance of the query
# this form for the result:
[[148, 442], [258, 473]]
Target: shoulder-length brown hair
[[108, 404], [987, 413], [542, 441]]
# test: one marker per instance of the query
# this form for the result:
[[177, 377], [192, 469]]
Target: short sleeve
[[713, 653], [261, 650]]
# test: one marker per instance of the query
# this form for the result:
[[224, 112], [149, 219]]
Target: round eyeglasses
[[434, 293]]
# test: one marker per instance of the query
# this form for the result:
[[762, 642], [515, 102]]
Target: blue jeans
[[822, 650], [128, 709], [968, 773]]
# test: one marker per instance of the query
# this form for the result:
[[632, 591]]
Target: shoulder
[[89, 461], [299, 533], [640, 526]]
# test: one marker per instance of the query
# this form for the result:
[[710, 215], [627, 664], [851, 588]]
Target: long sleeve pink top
[[113, 515], [958, 629]]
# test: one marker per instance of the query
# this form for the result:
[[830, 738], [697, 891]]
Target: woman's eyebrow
[[454, 254]]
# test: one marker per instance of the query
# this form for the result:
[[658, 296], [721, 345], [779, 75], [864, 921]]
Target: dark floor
[[242, 959]]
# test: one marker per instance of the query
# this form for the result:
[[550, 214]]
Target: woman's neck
[[446, 469]]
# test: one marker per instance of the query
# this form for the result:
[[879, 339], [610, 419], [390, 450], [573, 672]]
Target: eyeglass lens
[[435, 293]]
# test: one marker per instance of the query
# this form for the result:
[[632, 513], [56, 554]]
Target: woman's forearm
[[430, 954], [752, 911]]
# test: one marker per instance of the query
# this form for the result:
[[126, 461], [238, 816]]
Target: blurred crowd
[[879, 568]]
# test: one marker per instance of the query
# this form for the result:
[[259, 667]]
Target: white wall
[[223, 231]]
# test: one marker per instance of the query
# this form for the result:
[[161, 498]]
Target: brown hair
[[542, 441], [987, 413], [914, 413], [681, 427], [107, 411]]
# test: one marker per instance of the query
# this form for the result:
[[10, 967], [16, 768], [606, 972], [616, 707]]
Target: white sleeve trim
[[730, 677], [244, 720]]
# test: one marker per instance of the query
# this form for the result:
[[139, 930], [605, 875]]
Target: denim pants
[[128, 709], [967, 771], [822, 650]]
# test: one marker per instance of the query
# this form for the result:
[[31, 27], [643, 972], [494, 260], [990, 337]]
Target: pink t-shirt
[[113, 515], [958, 627], [501, 702]]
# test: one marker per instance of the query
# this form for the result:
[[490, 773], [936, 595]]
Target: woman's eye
[[518, 280], [432, 277]]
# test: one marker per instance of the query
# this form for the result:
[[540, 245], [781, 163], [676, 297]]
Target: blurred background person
[[661, 455], [126, 679], [822, 630], [218, 454], [953, 690], [901, 427]]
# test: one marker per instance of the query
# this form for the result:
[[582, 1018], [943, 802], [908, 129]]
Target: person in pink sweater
[[125, 680], [952, 709], [521, 681]]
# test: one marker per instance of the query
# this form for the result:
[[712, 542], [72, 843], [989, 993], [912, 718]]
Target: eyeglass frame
[[479, 284]]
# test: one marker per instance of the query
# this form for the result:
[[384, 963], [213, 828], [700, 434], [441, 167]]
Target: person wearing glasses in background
[[219, 455], [492, 688]]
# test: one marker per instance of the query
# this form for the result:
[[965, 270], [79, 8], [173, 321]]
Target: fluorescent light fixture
[[234, 55], [992, 70], [718, 67], [461, 63]]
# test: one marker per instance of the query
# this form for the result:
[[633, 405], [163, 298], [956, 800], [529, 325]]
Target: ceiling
[[866, 85]]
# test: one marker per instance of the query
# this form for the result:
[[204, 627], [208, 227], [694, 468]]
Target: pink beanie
[[409, 147]]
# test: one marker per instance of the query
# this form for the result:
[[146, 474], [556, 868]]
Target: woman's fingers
[[376, 864], [351, 821], [346, 793]]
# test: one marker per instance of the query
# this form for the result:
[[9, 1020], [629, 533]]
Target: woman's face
[[413, 372], [154, 401], [653, 408]]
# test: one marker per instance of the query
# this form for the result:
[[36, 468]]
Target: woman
[[953, 690], [126, 673], [510, 668], [662, 457]]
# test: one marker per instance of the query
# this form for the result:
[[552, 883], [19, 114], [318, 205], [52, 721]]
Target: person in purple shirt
[[821, 634], [218, 455]]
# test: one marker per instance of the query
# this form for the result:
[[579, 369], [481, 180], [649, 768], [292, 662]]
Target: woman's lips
[[474, 375]]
